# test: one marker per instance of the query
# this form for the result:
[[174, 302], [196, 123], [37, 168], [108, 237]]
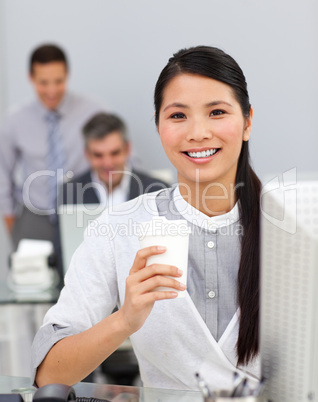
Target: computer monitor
[[73, 220], [289, 290]]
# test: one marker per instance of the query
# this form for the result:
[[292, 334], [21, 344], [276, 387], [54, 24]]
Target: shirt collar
[[198, 218], [122, 187], [62, 108]]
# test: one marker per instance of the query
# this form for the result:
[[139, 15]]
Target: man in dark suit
[[110, 180]]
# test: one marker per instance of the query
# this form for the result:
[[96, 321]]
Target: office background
[[117, 49]]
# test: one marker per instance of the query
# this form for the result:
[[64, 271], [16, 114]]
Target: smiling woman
[[204, 119], [202, 128], [202, 104]]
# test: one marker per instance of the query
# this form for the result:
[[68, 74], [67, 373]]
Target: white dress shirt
[[117, 196], [174, 341]]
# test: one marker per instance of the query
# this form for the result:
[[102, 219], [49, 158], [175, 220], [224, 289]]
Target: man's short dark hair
[[47, 53], [103, 124]]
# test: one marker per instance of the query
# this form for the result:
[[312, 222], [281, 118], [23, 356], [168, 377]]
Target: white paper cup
[[172, 234]]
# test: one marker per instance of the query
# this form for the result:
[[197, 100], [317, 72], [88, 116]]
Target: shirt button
[[211, 294], [210, 244]]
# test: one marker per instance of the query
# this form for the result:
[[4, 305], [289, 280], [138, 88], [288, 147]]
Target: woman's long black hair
[[213, 63]]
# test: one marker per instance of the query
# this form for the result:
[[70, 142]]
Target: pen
[[203, 386], [236, 379], [260, 387], [246, 391], [237, 391]]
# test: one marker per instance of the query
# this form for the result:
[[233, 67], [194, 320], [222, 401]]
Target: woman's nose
[[199, 130]]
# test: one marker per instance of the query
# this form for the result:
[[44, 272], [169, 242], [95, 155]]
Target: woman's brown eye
[[217, 112], [177, 116]]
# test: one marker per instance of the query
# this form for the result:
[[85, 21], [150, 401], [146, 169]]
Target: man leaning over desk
[[110, 180], [44, 137]]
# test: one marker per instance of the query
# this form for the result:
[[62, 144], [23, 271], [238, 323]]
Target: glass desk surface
[[8, 296], [7, 384], [113, 393]]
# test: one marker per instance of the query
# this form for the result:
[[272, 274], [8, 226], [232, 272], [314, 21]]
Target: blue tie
[[55, 159]]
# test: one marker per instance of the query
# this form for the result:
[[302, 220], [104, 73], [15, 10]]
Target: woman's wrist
[[120, 325]]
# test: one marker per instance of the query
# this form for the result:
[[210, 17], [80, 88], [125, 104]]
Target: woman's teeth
[[202, 154]]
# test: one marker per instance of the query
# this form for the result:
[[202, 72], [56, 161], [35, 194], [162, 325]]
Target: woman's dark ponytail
[[248, 194]]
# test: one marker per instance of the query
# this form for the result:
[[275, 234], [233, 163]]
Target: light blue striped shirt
[[23, 140]]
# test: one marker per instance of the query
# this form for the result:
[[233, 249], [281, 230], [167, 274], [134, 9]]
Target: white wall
[[118, 47]]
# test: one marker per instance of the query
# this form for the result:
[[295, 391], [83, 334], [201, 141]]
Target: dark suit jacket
[[81, 191]]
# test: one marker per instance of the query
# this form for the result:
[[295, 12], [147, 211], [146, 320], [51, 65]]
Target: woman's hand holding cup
[[142, 287]]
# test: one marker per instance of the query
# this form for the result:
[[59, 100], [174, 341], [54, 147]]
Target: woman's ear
[[248, 126]]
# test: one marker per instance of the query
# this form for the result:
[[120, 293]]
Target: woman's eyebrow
[[218, 102], [213, 103], [176, 104]]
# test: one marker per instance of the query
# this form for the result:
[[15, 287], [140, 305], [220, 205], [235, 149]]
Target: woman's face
[[201, 128]]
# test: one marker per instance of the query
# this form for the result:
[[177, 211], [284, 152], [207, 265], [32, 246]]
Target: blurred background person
[[43, 138], [111, 179]]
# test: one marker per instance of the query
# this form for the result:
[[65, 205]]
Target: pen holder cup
[[26, 393], [235, 399]]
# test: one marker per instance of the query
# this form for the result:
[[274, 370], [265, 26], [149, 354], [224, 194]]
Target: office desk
[[8, 296], [7, 383], [21, 314], [114, 393]]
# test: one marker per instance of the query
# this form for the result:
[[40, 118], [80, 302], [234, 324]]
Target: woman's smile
[[201, 155]]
